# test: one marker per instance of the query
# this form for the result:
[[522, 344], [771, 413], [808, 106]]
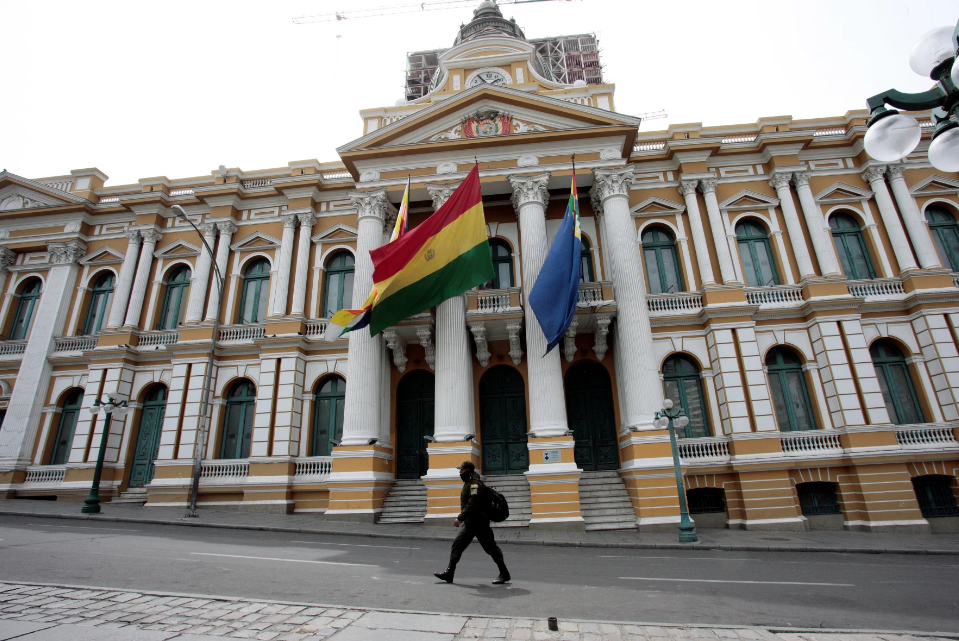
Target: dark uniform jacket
[[473, 501]]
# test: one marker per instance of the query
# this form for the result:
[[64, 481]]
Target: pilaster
[[688, 189], [708, 188], [890, 218], [819, 233], [226, 228], [201, 275], [150, 239], [918, 231], [780, 182], [121, 295], [307, 220], [281, 285]]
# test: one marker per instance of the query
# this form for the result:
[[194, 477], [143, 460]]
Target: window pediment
[[103, 256], [338, 232], [177, 249], [748, 199], [935, 186], [256, 240], [656, 206], [842, 193]]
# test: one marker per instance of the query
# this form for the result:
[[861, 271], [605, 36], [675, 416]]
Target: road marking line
[[681, 558], [650, 578], [267, 558], [84, 527], [357, 545]]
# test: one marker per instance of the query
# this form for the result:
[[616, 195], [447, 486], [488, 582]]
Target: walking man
[[475, 521]]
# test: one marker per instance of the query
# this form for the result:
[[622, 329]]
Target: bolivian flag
[[441, 258]]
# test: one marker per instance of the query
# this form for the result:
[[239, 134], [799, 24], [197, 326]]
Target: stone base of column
[[647, 471], [275, 496], [362, 477], [927, 279], [443, 483], [554, 484], [723, 294]]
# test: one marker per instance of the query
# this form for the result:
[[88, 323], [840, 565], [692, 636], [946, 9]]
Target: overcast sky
[[141, 89]]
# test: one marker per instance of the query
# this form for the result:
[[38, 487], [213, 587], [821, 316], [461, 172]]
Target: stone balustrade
[[875, 288], [74, 343], [712, 449], [809, 442], [779, 295], [151, 339], [8, 348], [242, 333], [46, 474], [314, 466], [923, 436], [674, 304], [224, 469]]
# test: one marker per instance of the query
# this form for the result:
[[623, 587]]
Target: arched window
[[790, 396], [895, 382], [100, 298], [502, 265], [238, 424], [67, 426], [851, 248], [935, 496], [945, 233], [683, 385], [586, 255], [256, 290], [174, 302], [339, 284], [662, 267], [328, 415], [758, 265], [26, 309]]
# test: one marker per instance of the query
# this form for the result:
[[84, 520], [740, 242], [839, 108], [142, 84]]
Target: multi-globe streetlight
[[111, 407], [667, 417]]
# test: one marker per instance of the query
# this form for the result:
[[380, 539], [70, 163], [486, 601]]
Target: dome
[[488, 21]]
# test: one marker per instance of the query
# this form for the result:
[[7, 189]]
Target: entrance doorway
[[503, 422], [148, 437], [589, 410], [415, 399]]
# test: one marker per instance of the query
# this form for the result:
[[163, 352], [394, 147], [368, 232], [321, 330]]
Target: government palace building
[[796, 298]]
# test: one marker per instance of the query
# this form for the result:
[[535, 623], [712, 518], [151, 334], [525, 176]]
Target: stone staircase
[[406, 502], [604, 502], [515, 488], [132, 495]]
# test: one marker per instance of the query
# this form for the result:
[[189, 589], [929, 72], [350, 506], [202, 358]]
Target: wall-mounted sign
[[552, 456]]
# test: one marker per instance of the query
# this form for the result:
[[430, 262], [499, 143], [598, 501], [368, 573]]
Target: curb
[[421, 537]]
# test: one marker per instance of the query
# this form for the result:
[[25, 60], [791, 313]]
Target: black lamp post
[[665, 418], [893, 135], [110, 407]]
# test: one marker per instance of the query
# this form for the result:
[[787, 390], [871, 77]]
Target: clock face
[[488, 78]]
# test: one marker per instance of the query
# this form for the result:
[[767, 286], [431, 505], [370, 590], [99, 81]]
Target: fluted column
[[890, 218], [688, 189], [918, 231], [819, 232], [121, 295], [201, 275], [150, 239], [454, 417], [282, 290], [227, 229], [637, 370], [547, 409], [307, 220], [726, 269], [7, 258], [363, 392], [780, 182]]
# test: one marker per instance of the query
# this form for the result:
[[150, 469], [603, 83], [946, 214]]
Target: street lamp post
[[665, 418], [111, 407], [893, 135], [202, 428]]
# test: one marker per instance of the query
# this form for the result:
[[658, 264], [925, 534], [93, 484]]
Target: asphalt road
[[889, 592]]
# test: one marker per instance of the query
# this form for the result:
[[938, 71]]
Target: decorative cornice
[[440, 193], [780, 180], [67, 253], [874, 173], [527, 189], [371, 204]]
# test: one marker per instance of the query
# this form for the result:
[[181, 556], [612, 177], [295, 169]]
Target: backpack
[[497, 508]]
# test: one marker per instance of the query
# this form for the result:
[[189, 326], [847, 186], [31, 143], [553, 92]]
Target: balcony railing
[[224, 469], [835, 131], [773, 295], [74, 343], [314, 466], [703, 449], [46, 474], [242, 332], [732, 139], [494, 301], [680, 303], [874, 288], [650, 146], [923, 437], [258, 182], [809, 442], [8, 348], [317, 328], [188, 191], [336, 175], [150, 339], [594, 294]]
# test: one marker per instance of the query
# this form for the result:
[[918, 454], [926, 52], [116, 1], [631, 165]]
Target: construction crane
[[390, 10]]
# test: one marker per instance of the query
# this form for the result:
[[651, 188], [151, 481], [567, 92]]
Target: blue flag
[[556, 290]]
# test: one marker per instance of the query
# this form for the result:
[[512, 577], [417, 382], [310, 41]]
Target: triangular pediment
[[935, 186], [337, 232], [748, 199], [841, 193], [256, 240], [102, 256], [654, 205], [177, 249], [17, 193]]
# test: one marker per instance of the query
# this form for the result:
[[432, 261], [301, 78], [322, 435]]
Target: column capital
[[708, 185], [874, 173], [307, 219], [208, 229], [440, 193], [611, 182], [687, 187], [7, 258], [151, 236], [133, 236], [372, 204], [289, 221], [780, 180], [895, 171], [527, 189], [68, 253], [226, 227]]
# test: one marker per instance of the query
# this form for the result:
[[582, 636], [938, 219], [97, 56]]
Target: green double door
[[148, 437], [415, 399], [589, 411], [503, 422]]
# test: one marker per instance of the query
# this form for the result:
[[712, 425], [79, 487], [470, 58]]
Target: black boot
[[446, 575], [504, 576]]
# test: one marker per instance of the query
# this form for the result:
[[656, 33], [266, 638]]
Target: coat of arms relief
[[487, 123]]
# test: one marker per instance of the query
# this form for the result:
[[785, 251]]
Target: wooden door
[[503, 422], [589, 411], [415, 398]]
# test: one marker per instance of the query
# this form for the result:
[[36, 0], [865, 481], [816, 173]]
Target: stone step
[[604, 501], [405, 503], [133, 495]]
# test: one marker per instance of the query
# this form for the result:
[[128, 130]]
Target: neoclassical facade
[[798, 299]]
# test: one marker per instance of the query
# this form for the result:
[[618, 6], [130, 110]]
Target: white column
[[363, 392], [454, 415], [282, 283], [780, 182], [150, 239], [30, 391], [547, 409], [819, 233], [7, 258], [307, 220], [227, 229], [708, 188], [688, 189], [121, 295], [915, 225], [637, 369], [201, 275], [890, 218]]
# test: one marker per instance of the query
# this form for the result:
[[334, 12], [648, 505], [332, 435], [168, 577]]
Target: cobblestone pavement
[[50, 612]]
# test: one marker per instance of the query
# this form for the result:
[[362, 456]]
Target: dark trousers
[[484, 533]]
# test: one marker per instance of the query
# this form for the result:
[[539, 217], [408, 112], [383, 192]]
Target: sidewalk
[[32, 612], [312, 523]]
